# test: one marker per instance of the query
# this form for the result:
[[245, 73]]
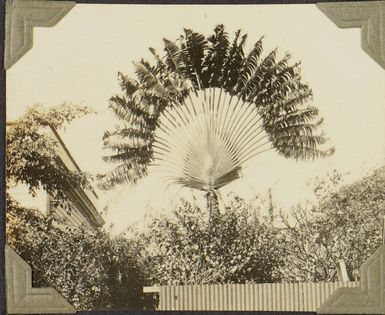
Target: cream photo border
[[23, 15]]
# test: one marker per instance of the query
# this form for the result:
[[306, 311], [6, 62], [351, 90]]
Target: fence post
[[383, 229], [342, 272]]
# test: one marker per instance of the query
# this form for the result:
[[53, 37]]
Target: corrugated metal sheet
[[296, 297]]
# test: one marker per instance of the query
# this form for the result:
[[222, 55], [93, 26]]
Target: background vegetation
[[235, 247], [91, 270], [94, 270], [345, 223]]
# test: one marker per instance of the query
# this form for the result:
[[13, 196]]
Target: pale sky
[[78, 61]]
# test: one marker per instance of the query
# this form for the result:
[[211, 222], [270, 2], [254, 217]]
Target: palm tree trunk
[[212, 204]]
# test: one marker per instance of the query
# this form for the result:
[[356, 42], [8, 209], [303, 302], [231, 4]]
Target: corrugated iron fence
[[306, 297]]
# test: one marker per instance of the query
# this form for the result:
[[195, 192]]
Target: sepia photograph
[[195, 157]]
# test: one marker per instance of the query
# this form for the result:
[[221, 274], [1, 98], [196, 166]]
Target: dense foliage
[[346, 223], [94, 270], [31, 151], [234, 247], [238, 246], [91, 270]]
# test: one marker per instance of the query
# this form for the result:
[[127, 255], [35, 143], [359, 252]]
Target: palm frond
[[125, 173], [145, 134], [257, 80], [193, 53], [117, 142], [118, 105], [233, 64], [148, 79], [128, 85], [197, 143], [250, 64], [130, 111], [307, 114], [160, 62], [205, 109], [217, 52], [174, 59], [303, 152]]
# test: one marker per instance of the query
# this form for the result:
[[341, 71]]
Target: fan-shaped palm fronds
[[203, 142], [206, 108]]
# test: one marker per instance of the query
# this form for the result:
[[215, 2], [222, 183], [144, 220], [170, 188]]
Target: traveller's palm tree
[[202, 111]]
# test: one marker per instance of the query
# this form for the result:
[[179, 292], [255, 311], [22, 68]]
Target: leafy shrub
[[235, 247], [346, 223], [90, 269]]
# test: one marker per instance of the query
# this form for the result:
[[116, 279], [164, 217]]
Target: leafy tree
[[90, 270], [31, 151], [205, 109], [237, 247], [346, 223]]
